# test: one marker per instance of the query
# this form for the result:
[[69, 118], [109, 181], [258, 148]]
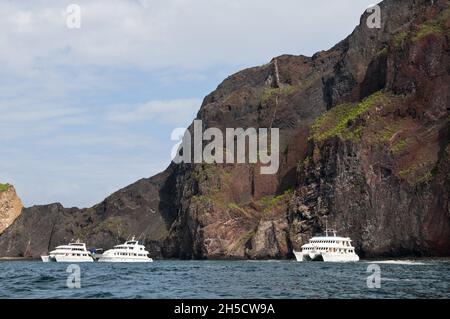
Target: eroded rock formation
[[10, 206]]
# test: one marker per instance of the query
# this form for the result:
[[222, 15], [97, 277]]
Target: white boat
[[328, 248], [128, 252], [73, 252]]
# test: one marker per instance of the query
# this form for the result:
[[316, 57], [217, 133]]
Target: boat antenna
[[144, 232], [141, 234]]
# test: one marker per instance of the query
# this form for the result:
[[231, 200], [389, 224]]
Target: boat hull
[[336, 257], [105, 259], [325, 257], [73, 259]]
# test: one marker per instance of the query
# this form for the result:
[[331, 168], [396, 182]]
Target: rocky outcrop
[[378, 168], [374, 79], [10, 206], [142, 209], [364, 141]]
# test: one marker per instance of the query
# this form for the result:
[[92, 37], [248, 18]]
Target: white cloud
[[171, 33], [36, 113], [108, 139], [173, 112]]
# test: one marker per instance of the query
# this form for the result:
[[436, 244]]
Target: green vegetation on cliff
[[400, 38], [400, 146], [4, 187], [436, 26], [427, 29], [270, 93], [418, 173], [340, 120], [236, 208], [270, 202]]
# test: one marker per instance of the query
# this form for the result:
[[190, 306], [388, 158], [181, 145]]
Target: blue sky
[[85, 112]]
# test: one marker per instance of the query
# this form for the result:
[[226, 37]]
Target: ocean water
[[227, 279]]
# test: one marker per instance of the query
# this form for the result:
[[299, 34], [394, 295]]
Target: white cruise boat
[[128, 252], [73, 252], [328, 248]]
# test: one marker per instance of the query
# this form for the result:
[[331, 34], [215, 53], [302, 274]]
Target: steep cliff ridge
[[378, 169], [233, 212], [364, 143], [10, 206]]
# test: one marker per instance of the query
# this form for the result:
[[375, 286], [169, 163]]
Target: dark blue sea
[[228, 279]]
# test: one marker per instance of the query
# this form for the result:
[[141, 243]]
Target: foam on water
[[396, 262]]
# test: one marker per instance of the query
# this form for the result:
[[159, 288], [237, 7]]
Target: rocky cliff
[[364, 134], [10, 206]]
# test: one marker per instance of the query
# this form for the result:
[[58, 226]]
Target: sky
[[87, 111]]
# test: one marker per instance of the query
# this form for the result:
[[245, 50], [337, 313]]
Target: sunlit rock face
[[10, 206]]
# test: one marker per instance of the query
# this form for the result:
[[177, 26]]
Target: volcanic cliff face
[[143, 208], [364, 144], [379, 168], [10, 206]]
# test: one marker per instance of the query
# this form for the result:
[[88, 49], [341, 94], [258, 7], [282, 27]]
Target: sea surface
[[228, 279]]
